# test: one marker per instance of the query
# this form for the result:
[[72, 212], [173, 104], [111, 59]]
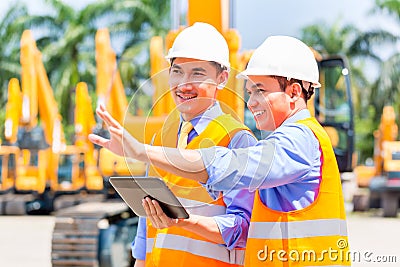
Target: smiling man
[[298, 207], [216, 231]]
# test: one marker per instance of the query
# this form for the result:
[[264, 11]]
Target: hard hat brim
[[262, 72], [204, 58]]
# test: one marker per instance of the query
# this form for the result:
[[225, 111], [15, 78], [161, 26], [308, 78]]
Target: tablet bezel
[[133, 189]]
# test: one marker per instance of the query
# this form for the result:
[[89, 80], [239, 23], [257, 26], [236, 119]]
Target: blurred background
[[61, 59], [366, 31]]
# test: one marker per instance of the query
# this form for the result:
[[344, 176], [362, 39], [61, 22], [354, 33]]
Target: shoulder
[[241, 139], [295, 134]]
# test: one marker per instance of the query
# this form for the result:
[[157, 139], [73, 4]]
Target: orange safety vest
[[175, 246], [313, 236]]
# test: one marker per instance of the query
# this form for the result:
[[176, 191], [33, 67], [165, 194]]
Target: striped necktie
[[186, 127]]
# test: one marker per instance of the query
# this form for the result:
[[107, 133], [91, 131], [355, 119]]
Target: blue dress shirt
[[285, 166]]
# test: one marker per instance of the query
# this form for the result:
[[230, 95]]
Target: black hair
[[284, 82], [220, 68]]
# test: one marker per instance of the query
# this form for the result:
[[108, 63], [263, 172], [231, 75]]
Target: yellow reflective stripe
[[200, 248], [297, 229], [149, 245], [202, 208]]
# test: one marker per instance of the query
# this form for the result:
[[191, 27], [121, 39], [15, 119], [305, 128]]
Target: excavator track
[[12, 204], [93, 234]]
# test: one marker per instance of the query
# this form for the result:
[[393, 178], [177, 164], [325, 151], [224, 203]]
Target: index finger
[[107, 118]]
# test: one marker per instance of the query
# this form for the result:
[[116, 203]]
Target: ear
[[294, 91], [222, 79]]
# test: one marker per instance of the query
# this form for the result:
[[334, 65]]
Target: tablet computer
[[133, 189]]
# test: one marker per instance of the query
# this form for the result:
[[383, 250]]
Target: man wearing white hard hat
[[199, 68], [298, 218]]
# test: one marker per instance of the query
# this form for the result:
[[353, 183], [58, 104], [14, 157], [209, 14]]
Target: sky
[[261, 18], [257, 19]]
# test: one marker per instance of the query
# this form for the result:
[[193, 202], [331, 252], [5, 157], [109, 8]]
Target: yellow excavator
[[379, 184], [109, 224], [38, 166], [9, 153], [35, 143], [111, 92]]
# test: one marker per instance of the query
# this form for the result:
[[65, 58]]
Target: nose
[[185, 85], [252, 102]]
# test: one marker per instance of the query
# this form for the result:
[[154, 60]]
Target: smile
[[185, 97], [258, 113]]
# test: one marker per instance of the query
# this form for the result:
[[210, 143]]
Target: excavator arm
[[110, 92], [84, 125], [13, 111]]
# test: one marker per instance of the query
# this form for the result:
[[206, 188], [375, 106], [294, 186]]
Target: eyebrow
[[194, 69], [257, 85], [176, 67], [199, 69]]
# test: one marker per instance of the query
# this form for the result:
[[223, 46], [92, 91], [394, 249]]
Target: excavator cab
[[332, 106]]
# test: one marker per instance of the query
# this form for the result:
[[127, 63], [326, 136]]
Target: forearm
[[234, 224], [185, 163], [203, 226]]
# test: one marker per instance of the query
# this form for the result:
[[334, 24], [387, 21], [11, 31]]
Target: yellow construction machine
[[39, 166], [9, 153], [332, 106], [111, 92], [36, 144], [99, 233], [380, 182]]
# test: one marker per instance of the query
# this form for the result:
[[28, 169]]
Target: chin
[[265, 127], [260, 125], [184, 105]]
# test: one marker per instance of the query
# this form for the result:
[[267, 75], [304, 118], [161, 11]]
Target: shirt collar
[[300, 115], [201, 121]]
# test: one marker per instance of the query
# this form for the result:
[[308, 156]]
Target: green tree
[[12, 25], [11, 28], [358, 47], [68, 42], [386, 89], [68, 49], [143, 19]]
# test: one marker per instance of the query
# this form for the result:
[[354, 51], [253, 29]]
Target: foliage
[[358, 47], [392, 6], [387, 88], [12, 25], [68, 43]]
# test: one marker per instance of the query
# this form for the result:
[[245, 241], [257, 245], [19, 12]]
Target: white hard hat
[[283, 56], [201, 41]]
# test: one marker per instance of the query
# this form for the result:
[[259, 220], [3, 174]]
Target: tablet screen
[[133, 189]]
